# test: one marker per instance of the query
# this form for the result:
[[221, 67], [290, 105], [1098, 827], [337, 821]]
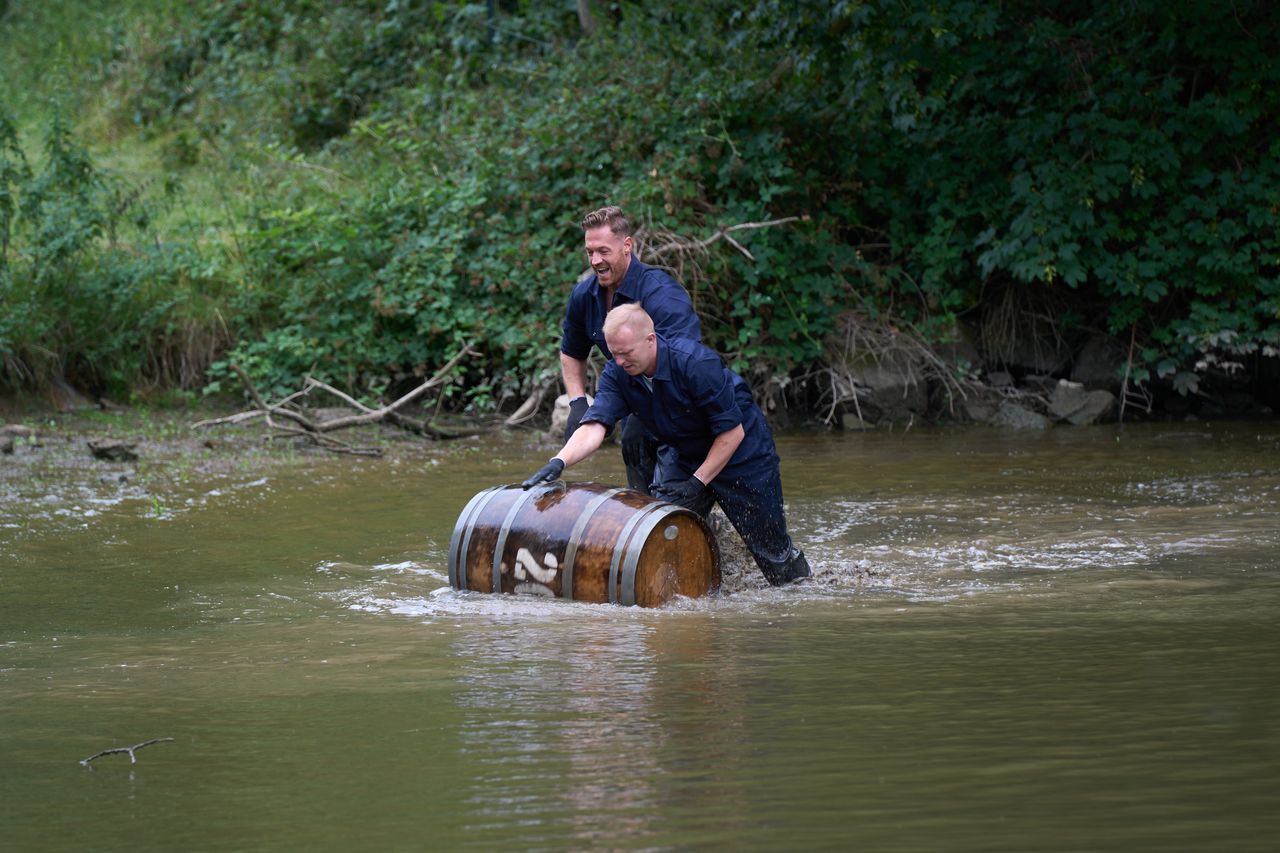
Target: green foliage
[[405, 177], [1124, 151], [78, 299], [14, 174]]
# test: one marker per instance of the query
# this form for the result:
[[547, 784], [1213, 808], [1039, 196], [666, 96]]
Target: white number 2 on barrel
[[527, 566]]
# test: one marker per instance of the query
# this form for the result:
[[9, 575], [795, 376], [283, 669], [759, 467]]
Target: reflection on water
[[573, 710], [1012, 642]]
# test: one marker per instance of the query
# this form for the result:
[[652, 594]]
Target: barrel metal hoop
[[506, 529], [458, 559], [652, 520], [619, 546], [575, 536]]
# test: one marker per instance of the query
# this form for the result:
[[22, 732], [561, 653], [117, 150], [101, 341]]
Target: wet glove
[[686, 493], [551, 471], [577, 408]]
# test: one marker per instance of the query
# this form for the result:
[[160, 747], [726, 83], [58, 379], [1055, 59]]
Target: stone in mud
[[851, 422], [1067, 399], [1017, 417], [17, 431], [1071, 402], [890, 390], [560, 415], [979, 411], [1097, 408], [979, 405], [112, 450]]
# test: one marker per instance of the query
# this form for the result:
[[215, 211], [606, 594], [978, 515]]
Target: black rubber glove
[[577, 408], [685, 493], [551, 471]]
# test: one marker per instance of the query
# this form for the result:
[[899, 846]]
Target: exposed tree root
[[884, 344]]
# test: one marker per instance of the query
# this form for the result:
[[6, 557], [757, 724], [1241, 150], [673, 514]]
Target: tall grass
[[63, 51]]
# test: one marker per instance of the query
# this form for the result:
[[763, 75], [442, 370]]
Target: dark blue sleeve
[[610, 405], [574, 341], [670, 307], [711, 387]]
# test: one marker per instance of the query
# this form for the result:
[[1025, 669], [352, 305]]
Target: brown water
[[1060, 641]]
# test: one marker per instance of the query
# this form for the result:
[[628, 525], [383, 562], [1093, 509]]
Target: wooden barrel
[[582, 541]]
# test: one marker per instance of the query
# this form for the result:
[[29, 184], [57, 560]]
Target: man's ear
[[626, 243]]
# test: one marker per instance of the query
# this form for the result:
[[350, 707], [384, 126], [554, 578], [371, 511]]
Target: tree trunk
[[585, 18]]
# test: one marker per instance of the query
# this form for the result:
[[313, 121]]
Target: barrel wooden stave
[[616, 545]]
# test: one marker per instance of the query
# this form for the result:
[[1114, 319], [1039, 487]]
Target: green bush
[[1116, 163], [85, 293]]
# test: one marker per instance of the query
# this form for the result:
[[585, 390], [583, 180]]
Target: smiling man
[[723, 450], [618, 278]]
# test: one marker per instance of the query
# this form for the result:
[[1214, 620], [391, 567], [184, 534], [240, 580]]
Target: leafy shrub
[[934, 161], [77, 300]]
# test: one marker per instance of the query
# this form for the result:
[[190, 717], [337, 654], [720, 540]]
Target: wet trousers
[[753, 504], [639, 454]]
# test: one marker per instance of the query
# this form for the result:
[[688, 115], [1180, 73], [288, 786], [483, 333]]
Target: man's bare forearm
[[574, 373], [722, 450], [585, 440]]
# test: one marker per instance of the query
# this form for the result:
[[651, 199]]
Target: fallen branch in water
[[299, 425], [129, 749]]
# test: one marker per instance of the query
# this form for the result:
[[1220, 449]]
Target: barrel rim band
[[652, 520], [457, 558], [623, 539], [575, 537], [505, 530]]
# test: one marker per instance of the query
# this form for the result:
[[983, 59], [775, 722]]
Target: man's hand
[[577, 408], [547, 473], [686, 493]]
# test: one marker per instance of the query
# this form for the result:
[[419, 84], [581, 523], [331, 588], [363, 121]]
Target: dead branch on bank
[[300, 425], [1133, 393], [84, 762], [668, 249]]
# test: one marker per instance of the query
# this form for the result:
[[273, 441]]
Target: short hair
[[630, 315], [611, 216]]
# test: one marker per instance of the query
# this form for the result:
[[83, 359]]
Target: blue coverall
[[668, 304], [690, 399]]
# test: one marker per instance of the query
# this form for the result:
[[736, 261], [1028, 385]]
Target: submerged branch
[[129, 749]]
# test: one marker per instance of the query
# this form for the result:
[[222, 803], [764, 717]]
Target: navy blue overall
[[668, 304], [690, 399]]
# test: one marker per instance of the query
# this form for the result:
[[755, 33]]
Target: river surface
[[1014, 641]]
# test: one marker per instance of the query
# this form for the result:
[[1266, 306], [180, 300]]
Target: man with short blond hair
[[723, 449], [618, 278]]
